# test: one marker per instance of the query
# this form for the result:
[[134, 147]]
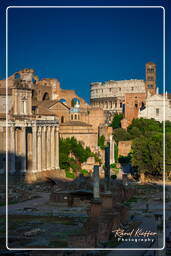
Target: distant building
[[39, 111], [155, 106], [111, 95]]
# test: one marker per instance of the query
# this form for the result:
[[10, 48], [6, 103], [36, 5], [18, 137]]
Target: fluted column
[[57, 148], [53, 147], [34, 149], [48, 148], [29, 152], [39, 149], [44, 148], [23, 155], [12, 150]]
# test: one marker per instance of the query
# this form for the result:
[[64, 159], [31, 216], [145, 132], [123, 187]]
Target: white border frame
[[85, 249]]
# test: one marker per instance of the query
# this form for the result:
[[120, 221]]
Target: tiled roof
[[50, 103], [41, 110]]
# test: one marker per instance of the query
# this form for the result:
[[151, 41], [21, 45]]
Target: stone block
[[107, 202]]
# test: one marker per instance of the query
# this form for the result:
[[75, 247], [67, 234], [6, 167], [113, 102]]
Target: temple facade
[[31, 140]]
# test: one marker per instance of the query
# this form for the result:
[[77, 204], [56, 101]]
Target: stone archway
[[45, 96]]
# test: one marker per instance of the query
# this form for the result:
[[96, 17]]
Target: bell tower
[[150, 83]]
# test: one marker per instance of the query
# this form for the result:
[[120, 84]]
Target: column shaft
[[57, 148], [96, 193], [23, 156], [39, 149], [34, 149], [12, 150], [112, 159], [53, 148], [44, 148], [48, 148]]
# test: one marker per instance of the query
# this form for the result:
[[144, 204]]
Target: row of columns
[[108, 105], [45, 148], [32, 150]]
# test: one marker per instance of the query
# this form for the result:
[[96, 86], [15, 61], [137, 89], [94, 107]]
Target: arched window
[[71, 117], [75, 117], [62, 119], [17, 76], [45, 96]]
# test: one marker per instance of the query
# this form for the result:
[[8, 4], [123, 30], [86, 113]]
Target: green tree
[[72, 154], [116, 122], [147, 154], [145, 126], [168, 126], [101, 141], [121, 134], [168, 154]]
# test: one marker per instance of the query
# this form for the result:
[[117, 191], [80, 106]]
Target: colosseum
[[110, 95]]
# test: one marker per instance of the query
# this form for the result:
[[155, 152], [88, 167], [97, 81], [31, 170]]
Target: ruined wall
[[133, 102], [93, 116], [106, 132], [49, 89], [124, 148], [84, 134]]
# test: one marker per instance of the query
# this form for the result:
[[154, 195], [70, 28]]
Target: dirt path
[[12, 208]]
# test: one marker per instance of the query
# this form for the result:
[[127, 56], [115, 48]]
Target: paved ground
[[14, 208], [155, 206]]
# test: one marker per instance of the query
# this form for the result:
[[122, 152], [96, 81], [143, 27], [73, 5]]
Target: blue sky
[[80, 46]]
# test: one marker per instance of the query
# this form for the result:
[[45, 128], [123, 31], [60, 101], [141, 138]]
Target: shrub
[[70, 175], [113, 177], [84, 172]]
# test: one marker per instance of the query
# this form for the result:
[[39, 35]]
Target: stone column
[[112, 158], [53, 147], [34, 148], [48, 148], [12, 150], [39, 149], [29, 152], [44, 148], [23, 155], [107, 169], [57, 148], [96, 194]]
